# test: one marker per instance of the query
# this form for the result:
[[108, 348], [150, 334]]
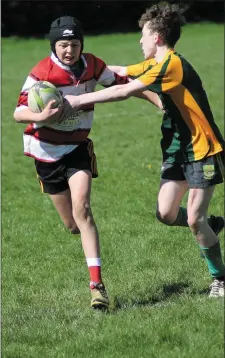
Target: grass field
[[156, 281]]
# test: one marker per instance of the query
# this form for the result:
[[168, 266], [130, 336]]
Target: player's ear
[[158, 39]]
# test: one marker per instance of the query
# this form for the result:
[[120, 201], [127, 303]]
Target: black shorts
[[54, 176], [200, 174]]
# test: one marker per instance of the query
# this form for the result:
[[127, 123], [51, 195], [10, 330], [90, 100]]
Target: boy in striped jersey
[[192, 146], [64, 155]]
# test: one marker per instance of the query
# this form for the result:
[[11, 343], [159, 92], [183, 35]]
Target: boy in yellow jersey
[[193, 148]]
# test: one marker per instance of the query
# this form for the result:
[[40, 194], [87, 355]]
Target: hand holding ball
[[41, 93]]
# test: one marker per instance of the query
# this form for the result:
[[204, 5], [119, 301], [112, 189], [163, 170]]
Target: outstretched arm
[[146, 95], [111, 94], [171, 78]]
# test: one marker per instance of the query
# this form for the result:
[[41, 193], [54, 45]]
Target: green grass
[[155, 278]]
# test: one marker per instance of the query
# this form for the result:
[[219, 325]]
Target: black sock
[[182, 218]]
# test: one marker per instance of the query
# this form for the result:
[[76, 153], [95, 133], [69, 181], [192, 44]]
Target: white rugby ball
[[40, 94]]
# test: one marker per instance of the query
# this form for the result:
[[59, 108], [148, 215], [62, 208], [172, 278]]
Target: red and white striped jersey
[[49, 143]]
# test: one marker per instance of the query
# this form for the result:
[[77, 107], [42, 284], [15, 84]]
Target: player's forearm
[[26, 116], [111, 94], [149, 96]]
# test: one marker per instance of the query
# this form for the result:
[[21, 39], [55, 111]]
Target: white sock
[[96, 261]]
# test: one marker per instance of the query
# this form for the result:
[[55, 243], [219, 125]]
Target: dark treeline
[[32, 18]]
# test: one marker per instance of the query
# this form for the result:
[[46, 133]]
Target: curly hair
[[165, 19]]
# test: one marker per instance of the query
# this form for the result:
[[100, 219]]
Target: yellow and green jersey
[[188, 128]]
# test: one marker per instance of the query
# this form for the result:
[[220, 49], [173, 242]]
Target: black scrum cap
[[67, 28]]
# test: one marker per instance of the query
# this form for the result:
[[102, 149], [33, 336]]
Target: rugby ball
[[41, 93]]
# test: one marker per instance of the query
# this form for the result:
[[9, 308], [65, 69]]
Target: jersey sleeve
[[110, 78], [23, 97], [135, 71], [104, 76], [164, 76], [38, 73]]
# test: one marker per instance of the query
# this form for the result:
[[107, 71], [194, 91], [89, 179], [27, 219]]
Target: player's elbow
[[17, 117], [119, 93]]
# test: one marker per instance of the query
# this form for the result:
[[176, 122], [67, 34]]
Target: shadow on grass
[[166, 292]]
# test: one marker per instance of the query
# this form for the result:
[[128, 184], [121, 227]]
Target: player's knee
[[195, 223], [81, 211], [165, 218]]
